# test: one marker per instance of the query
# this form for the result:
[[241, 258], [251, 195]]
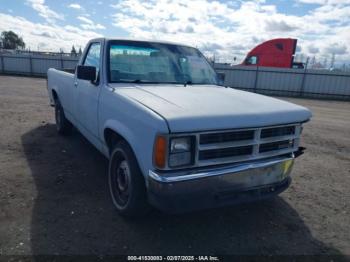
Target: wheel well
[[54, 95], [112, 137]]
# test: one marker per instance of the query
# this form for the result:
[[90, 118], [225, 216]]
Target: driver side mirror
[[86, 72]]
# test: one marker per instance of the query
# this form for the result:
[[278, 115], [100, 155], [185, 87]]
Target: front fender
[[141, 144], [122, 130], [137, 124]]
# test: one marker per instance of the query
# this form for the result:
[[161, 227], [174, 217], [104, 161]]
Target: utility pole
[[307, 62], [332, 61], [313, 61], [325, 63]]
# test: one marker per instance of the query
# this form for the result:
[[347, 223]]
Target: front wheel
[[126, 182]]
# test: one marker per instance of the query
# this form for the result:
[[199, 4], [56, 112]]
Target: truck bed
[[59, 80]]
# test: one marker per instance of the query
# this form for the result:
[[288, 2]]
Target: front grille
[[225, 152], [249, 144], [277, 131], [227, 136], [275, 146]]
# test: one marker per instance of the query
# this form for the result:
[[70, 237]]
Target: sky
[[226, 29]]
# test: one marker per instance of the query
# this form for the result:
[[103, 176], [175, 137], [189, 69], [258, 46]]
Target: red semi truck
[[277, 52]]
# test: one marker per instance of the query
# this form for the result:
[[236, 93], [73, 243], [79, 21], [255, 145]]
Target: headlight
[[180, 144], [181, 151]]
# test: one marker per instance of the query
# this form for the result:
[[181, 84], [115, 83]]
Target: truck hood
[[208, 107]]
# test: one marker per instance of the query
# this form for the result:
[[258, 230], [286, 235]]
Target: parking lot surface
[[54, 197]]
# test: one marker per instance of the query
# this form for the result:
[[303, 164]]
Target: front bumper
[[191, 190]]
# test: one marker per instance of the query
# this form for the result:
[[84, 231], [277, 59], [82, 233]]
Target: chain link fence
[[288, 82], [266, 80]]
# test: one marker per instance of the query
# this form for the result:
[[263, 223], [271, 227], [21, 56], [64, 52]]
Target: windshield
[[146, 62]]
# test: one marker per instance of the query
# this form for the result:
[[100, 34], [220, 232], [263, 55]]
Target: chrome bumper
[[188, 190]]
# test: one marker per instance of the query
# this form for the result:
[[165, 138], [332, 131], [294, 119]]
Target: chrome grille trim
[[272, 135]]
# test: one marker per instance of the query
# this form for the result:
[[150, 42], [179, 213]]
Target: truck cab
[[274, 53]]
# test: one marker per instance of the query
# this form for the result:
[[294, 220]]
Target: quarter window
[[93, 57]]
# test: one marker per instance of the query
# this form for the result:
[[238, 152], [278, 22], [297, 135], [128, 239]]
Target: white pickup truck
[[174, 137]]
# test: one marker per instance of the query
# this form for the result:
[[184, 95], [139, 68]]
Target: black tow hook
[[299, 152]]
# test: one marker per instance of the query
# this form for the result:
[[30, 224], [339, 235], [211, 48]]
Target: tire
[[63, 126], [126, 182]]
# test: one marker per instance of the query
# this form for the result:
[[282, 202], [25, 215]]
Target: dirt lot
[[54, 197]]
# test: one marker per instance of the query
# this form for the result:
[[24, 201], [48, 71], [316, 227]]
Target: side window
[[279, 46], [93, 57], [252, 60]]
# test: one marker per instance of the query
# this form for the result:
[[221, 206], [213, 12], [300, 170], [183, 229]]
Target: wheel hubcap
[[122, 176], [122, 180]]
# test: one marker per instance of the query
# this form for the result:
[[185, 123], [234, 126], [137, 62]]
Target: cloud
[[47, 37], [211, 47], [93, 27], [313, 49], [279, 26], [44, 11], [188, 29], [89, 24], [85, 20], [330, 12], [45, 34], [204, 23], [319, 2], [75, 6], [336, 49], [324, 2], [227, 28]]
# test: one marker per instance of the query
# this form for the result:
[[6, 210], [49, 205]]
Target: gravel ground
[[54, 197]]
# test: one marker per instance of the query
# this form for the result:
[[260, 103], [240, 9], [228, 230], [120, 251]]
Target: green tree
[[73, 52], [11, 40]]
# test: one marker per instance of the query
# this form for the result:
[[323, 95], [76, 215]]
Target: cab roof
[[138, 40]]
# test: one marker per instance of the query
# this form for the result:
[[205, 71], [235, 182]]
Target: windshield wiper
[[140, 81]]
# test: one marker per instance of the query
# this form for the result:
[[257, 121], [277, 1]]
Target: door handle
[[75, 84]]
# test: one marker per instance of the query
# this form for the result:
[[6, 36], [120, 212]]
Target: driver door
[[87, 94]]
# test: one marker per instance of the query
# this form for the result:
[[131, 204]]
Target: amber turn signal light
[[160, 152]]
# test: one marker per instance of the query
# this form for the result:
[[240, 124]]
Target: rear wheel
[[126, 182], [64, 127]]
